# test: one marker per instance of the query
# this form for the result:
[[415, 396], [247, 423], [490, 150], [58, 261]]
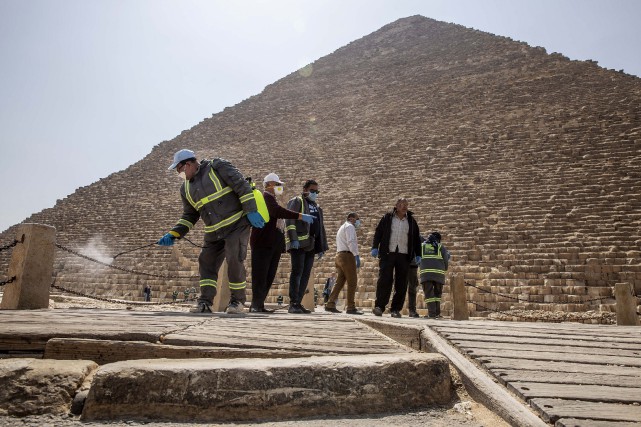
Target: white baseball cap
[[181, 155], [272, 177]]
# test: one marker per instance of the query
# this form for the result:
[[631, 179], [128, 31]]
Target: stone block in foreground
[[253, 389], [34, 387]]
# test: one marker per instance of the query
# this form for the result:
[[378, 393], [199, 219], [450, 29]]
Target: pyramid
[[526, 162]]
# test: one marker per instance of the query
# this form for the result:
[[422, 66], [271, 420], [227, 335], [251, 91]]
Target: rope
[[71, 251], [513, 315]]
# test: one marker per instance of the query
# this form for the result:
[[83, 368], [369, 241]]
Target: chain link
[[527, 296], [117, 301], [9, 246], [5, 282], [127, 270]]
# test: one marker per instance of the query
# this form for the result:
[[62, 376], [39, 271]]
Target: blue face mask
[[357, 223], [312, 196]]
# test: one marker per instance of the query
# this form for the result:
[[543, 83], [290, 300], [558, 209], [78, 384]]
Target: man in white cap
[[217, 192], [268, 243]]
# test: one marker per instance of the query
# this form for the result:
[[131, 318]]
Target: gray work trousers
[[233, 249]]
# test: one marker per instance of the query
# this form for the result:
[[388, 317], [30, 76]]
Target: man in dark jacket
[[268, 243], [303, 241], [397, 241], [216, 192]]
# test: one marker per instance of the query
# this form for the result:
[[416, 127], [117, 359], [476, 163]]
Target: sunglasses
[[180, 165]]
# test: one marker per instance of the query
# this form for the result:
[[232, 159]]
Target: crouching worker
[[434, 262], [217, 192]]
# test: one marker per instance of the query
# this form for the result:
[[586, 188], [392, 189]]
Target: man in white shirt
[[347, 262]]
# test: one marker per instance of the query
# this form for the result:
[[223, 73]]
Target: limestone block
[[253, 389], [34, 386]]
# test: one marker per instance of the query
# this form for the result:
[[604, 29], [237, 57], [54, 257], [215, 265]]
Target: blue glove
[[374, 252], [358, 261], [320, 255], [166, 240], [308, 218], [295, 245], [418, 259], [256, 220]]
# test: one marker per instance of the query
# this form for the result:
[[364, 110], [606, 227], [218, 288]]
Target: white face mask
[[182, 175], [278, 190]]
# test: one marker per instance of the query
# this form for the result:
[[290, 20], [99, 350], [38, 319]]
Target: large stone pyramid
[[528, 164]]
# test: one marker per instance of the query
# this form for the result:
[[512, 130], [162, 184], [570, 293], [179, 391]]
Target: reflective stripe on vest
[[428, 253], [224, 223], [220, 192]]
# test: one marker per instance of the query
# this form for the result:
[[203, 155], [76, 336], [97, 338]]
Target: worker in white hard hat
[[216, 192], [268, 243]]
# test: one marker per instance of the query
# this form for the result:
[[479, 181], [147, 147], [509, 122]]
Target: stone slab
[[34, 387], [254, 389]]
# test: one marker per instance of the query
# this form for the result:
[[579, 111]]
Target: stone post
[[626, 305], [222, 290], [459, 297], [32, 265]]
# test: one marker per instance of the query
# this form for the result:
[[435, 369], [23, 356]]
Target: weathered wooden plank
[[553, 409], [488, 331], [558, 357], [480, 386], [568, 347], [593, 393], [525, 338], [102, 351], [575, 422], [550, 328], [544, 376], [496, 362]]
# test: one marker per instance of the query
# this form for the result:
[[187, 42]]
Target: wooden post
[[626, 305], [32, 265], [222, 290], [459, 297], [308, 298]]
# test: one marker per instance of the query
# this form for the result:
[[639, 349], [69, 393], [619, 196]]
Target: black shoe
[[396, 314], [255, 310], [294, 309], [332, 310], [304, 310], [377, 311], [267, 310], [413, 313], [353, 311]]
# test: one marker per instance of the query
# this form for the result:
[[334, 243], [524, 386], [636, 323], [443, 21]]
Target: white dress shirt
[[398, 237], [346, 238]]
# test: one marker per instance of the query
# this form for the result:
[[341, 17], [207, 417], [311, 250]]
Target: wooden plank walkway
[[571, 374], [143, 334]]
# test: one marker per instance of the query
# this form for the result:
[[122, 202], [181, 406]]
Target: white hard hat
[[272, 177], [181, 155]]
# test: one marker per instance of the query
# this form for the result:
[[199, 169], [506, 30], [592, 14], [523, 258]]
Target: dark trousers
[[264, 267], [302, 263], [392, 268], [412, 285], [433, 291]]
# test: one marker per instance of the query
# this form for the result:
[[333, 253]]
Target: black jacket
[[384, 231]]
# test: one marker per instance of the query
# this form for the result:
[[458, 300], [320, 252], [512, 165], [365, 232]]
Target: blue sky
[[88, 87]]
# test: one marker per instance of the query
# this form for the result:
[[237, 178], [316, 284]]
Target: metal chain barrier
[[9, 246], [6, 282], [127, 270], [513, 315], [117, 301], [527, 296]]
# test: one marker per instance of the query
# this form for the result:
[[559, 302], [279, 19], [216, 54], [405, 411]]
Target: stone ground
[[464, 412]]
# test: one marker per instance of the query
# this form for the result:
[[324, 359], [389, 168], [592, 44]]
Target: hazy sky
[[88, 87]]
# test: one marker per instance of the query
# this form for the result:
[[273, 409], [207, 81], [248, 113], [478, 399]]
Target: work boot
[[235, 307], [413, 313], [201, 307], [377, 311], [396, 314]]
